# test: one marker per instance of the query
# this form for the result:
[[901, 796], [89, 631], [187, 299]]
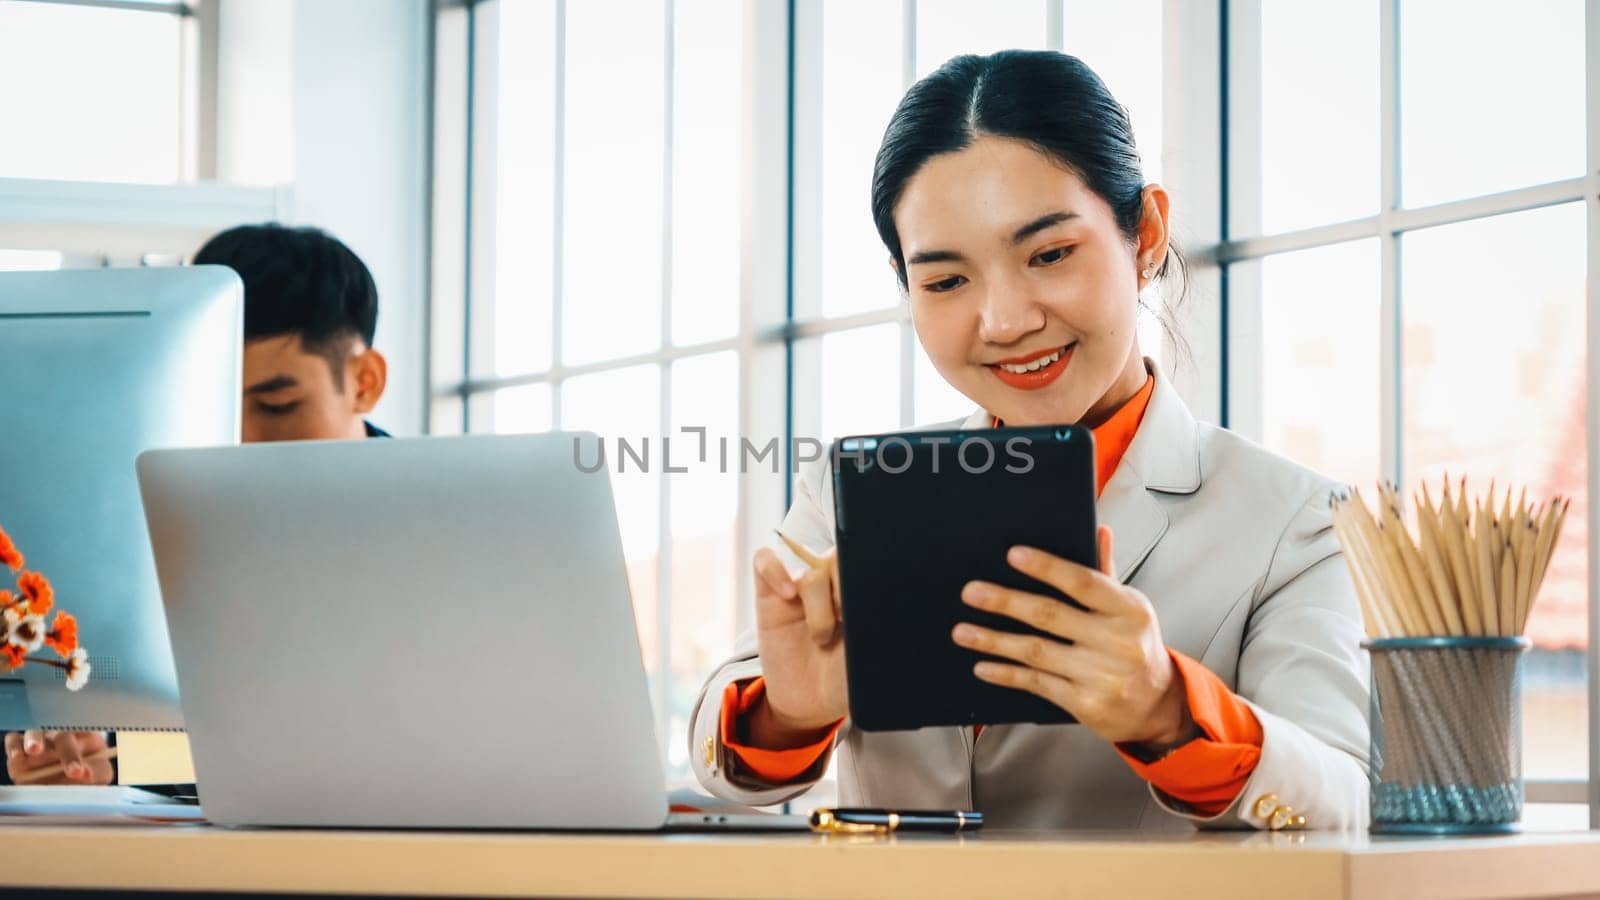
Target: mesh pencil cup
[[1446, 734]]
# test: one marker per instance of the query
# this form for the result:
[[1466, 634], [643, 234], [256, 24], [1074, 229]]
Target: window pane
[[1152, 334], [611, 306], [935, 399], [90, 94], [623, 407], [706, 130], [1122, 42], [1490, 100], [29, 260], [445, 415], [524, 188], [705, 518], [1493, 359], [860, 381], [1320, 320], [861, 83], [947, 28], [524, 409], [1315, 159]]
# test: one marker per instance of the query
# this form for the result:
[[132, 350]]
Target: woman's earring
[[1148, 271]]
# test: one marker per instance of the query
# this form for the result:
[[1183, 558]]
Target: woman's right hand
[[802, 653]]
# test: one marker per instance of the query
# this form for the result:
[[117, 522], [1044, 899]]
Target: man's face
[[292, 394]]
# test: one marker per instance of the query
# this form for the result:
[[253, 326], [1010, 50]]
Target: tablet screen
[[920, 514]]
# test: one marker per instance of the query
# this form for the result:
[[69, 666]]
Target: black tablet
[[920, 514]]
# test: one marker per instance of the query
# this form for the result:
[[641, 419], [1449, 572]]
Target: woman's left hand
[[1106, 664]]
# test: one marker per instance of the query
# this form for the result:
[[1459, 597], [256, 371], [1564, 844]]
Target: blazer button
[[1265, 805], [1285, 817], [1281, 818]]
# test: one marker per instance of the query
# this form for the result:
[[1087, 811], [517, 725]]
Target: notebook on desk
[[427, 633], [77, 804]]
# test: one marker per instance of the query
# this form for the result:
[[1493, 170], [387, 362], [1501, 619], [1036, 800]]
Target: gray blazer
[[1235, 548]]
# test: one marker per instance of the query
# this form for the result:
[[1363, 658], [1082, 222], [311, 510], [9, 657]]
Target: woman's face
[[1011, 261]]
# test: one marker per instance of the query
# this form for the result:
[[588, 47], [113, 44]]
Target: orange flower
[[9, 554], [41, 596], [63, 636], [7, 599], [12, 656]]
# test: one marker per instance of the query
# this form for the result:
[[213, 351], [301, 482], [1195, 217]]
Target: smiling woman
[[1083, 224], [1213, 660]]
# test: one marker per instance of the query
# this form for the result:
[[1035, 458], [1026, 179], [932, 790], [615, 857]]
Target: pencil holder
[[1446, 734]]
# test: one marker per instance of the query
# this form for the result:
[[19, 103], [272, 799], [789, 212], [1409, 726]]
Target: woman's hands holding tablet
[[1105, 664], [802, 653]]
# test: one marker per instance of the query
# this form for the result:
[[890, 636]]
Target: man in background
[[310, 373], [310, 312]]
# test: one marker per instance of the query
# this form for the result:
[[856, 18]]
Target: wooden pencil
[[1506, 600], [1376, 624], [1369, 572], [1526, 534], [1473, 567], [1543, 545], [806, 555], [1500, 527], [1456, 551], [1488, 579], [1395, 528], [1402, 598], [1469, 547], [1438, 569], [1550, 532]]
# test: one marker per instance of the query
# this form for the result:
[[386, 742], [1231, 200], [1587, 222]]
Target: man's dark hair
[[299, 281]]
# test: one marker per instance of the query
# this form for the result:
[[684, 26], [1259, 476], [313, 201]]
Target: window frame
[[1237, 26], [1203, 44], [122, 223], [464, 197], [198, 49]]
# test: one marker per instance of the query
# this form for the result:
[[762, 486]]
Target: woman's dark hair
[[1047, 99]]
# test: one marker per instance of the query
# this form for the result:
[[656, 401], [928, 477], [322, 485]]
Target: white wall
[[359, 101], [255, 83]]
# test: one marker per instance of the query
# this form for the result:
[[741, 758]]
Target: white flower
[[77, 669], [12, 617], [28, 633]]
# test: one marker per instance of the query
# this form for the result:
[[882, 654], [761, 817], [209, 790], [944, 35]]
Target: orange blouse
[[1206, 774]]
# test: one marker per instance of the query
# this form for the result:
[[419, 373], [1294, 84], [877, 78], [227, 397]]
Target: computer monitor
[[97, 366]]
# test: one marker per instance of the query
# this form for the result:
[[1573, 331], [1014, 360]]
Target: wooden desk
[[1193, 867]]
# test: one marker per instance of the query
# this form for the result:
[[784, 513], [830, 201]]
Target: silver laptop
[[410, 633]]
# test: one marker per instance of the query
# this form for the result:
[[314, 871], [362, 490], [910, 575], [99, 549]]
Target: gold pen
[[862, 820]]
